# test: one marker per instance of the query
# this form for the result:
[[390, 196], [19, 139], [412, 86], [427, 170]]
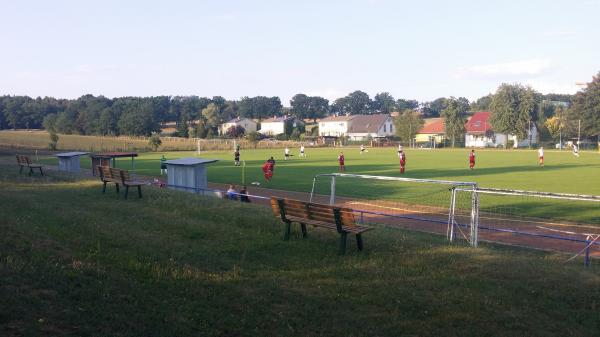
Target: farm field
[[74, 261], [510, 169]]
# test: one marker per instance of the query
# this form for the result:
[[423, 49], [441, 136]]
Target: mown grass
[[76, 262], [511, 169]]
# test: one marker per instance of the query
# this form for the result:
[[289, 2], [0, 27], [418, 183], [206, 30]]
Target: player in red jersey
[[402, 156], [341, 160], [472, 159], [268, 168]]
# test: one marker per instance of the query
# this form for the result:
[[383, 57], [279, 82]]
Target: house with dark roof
[[357, 127], [479, 133], [434, 129]]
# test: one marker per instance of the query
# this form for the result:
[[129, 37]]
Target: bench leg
[[126, 191], [139, 191], [104, 187], [359, 242], [303, 226], [21, 169], [343, 243], [41, 172], [117, 186], [30, 171], [286, 234]]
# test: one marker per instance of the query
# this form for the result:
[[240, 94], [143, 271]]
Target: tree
[[53, 141], [358, 103], [254, 137], [210, 115], [235, 131], [50, 123], [434, 108], [408, 124], [404, 104], [154, 141], [454, 115], [482, 103], [586, 108], [300, 104], [513, 108], [554, 126], [383, 103]]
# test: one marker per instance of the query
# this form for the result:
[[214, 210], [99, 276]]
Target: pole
[[332, 196], [579, 133], [243, 172]]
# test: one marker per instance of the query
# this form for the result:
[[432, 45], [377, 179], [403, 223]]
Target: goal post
[[407, 202]]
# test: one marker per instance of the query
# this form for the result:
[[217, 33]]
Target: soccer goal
[[557, 221], [421, 204]]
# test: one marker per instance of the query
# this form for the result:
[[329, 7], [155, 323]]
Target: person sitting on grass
[[244, 194], [231, 193]]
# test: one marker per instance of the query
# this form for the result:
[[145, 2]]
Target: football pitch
[[509, 169]]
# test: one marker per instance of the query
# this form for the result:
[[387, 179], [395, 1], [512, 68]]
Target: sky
[[412, 49]]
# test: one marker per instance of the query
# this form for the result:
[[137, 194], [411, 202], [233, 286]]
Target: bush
[[53, 141], [154, 141], [235, 131], [295, 135], [282, 136]]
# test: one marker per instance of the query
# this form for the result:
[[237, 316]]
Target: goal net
[[421, 204], [556, 221]]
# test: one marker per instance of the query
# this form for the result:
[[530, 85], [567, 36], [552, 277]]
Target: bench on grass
[[118, 177], [335, 218], [107, 177], [24, 161]]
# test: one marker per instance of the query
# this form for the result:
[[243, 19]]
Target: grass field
[[512, 169], [76, 262]]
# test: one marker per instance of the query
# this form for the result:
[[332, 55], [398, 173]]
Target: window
[[384, 127]]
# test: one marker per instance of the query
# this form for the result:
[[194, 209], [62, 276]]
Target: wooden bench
[[118, 177], [107, 177], [24, 161], [127, 181], [335, 218]]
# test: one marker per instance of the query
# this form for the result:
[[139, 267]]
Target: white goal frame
[[453, 186]]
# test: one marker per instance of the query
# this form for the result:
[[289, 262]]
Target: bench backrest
[[23, 160], [340, 216], [103, 172]]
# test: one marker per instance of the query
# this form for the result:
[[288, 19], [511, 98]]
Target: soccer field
[[513, 169], [510, 169]]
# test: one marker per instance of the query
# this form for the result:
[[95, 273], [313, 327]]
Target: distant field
[[512, 169]]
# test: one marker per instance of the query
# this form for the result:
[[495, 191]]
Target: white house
[[276, 125], [479, 133], [334, 126], [374, 126], [357, 127], [248, 125]]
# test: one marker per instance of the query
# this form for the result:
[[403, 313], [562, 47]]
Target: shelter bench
[[335, 218], [119, 177], [24, 161]]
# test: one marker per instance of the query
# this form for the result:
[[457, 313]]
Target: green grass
[[512, 169], [76, 262]]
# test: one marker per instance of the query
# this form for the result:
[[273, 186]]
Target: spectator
[[244, 194], [232, 193]]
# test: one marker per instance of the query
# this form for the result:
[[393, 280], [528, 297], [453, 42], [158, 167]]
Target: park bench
[[119, 177], [335, 218], [24, 161], [107, 177]]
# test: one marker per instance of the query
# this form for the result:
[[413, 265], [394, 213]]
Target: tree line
[[514, 108]]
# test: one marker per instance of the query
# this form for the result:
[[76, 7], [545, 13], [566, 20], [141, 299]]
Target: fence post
[[474, 217], [332, 196], [450, 231], [586, 261]]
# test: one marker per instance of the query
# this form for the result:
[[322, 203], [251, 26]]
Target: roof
[[433, 126], [367, 123], [237, 120], [280, 119], [190, 161], [335, 118], [479, 122], [71, 154]]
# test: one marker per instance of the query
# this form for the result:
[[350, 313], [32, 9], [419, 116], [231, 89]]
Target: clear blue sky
[[413, 49]]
